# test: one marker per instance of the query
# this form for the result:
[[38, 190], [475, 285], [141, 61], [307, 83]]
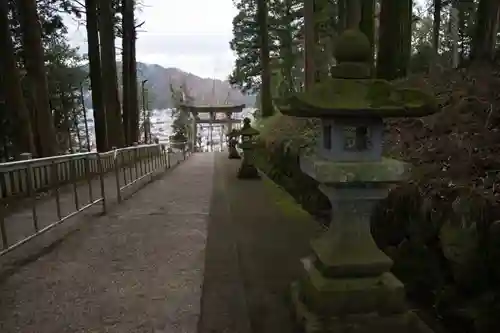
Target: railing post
[[30, 188], [54, 175], [74, 179], [139, 152], [100, 170], [3, 232], [116, 157], [164, 156], [135, 144], [88, 175]]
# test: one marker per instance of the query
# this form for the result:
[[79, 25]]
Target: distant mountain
[[204, 90]]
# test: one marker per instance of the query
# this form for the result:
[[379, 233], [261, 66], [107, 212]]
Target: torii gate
[[227, 122]]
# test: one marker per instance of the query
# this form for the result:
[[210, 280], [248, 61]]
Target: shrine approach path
[[195, 251]]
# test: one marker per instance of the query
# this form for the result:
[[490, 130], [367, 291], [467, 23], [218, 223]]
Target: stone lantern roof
[[247, 129], [351, 92]]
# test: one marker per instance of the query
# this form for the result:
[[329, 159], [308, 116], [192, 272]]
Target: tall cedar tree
[[35, 68], [129, 72], [11, 84], [389, 36], [436, 24], [487, 25], [266, 102], [134, 93], [126, 72], [310, 44], [367, 25], [109, 75], [94, 52]]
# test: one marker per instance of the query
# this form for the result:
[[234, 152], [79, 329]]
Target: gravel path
[[137, 269]]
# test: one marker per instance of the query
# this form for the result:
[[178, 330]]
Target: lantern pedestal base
[[233, 153], [355, 305], [248, 171]]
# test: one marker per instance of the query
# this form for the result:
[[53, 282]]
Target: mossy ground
[[285, 201], [270, 241]]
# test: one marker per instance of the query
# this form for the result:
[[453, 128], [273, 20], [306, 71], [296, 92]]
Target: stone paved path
[[256, 238], [137, 269]]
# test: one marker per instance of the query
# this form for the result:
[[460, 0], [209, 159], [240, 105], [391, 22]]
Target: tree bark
[[134, 94], [266, 97], [35, 67], [405, 33], [389, 30], [342, 14], [436, 24], [94, 52], [310, 44], [353, 14], [126, 66], [14, 99], [130, 99], [367, 25], [487, 24], [109, 75]]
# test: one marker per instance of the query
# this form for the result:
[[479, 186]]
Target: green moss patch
[[285, 201]]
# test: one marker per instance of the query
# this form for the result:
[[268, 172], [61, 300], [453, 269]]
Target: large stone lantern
[[247, 169], [347, 284], [232, 142]]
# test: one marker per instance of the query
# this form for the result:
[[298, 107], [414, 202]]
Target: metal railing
[[39, 184], [132, 165]]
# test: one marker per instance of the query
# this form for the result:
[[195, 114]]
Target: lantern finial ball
[[246, 122], [353, 46]]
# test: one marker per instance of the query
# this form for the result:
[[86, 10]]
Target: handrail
[[14, 165], [21, 180]]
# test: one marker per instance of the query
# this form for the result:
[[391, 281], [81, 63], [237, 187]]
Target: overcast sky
[[192, 35]]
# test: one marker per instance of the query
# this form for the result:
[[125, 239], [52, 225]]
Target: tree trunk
[[454, 26], [367, 25], [100, 126], [342, 13], [487, 24], [14, 99], [406, 13], [436, 24], [388, 50], [353, 14], [130, 100], [126, 66], [266, 97], [35, 68], [134, 97], [310, 44], [109, 75]]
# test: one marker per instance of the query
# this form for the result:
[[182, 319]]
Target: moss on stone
[[353, 46], [325, 171], [285, 201], [359, 97]]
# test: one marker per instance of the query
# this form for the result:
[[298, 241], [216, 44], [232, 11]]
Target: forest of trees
[[43, 79], [283, 45]]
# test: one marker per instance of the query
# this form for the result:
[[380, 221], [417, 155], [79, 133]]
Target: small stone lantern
[[247, 169], [347, 285], [232, 141]]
